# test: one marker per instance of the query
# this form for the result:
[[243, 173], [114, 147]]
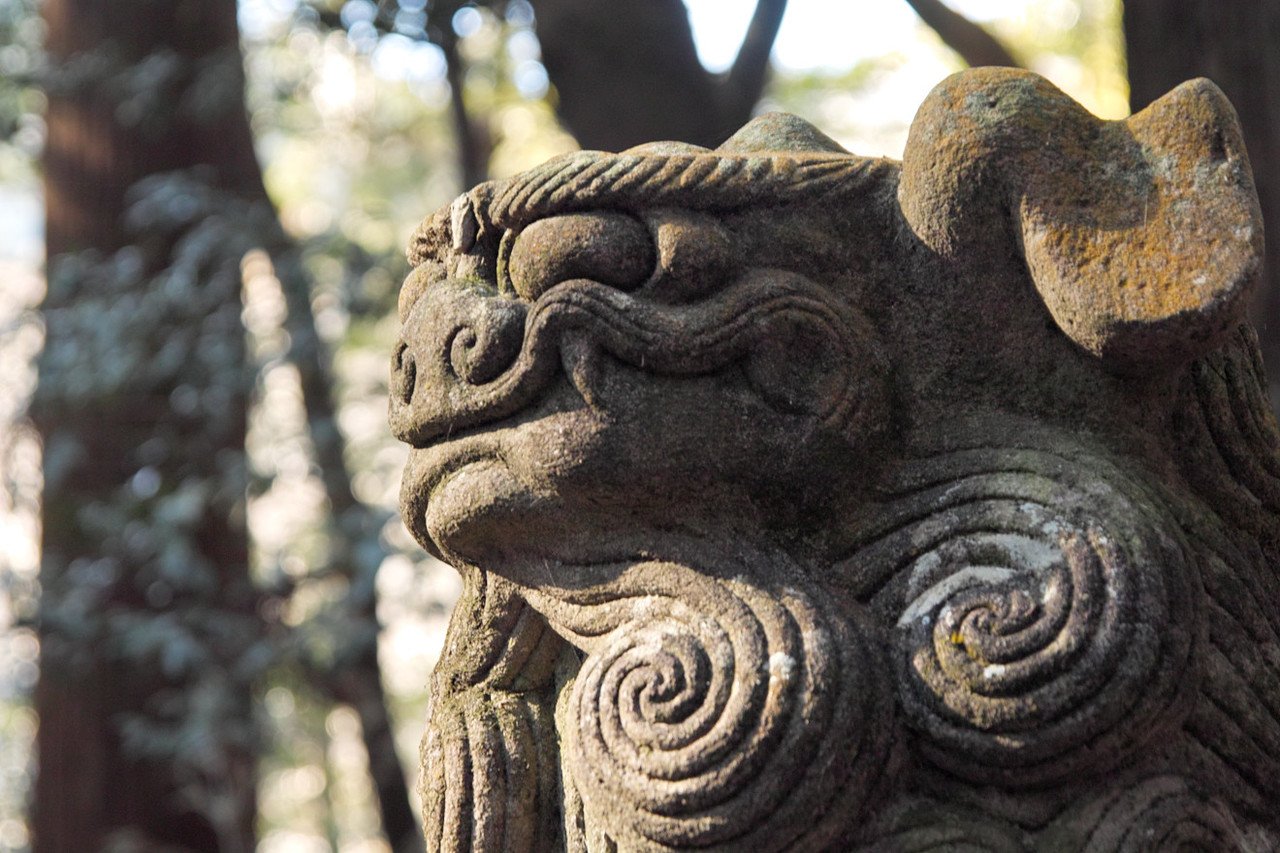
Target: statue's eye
[[611, 248]]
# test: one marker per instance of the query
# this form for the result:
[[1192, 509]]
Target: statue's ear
[[1142, 237]]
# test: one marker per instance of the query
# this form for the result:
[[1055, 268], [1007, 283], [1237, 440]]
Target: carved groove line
[[1229, 450], [1230, 439], [1161, 813], [488, 752], [489, 775], [662, 339]]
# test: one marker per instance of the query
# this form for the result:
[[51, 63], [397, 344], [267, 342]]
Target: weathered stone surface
[[807, 501]]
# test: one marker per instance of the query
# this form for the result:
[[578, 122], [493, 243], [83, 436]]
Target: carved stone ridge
[[806, 501]]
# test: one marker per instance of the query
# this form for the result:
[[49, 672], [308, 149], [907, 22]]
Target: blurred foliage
[[152, 335], [135, 347], [21, 103], [345, 164], [1078, 44]]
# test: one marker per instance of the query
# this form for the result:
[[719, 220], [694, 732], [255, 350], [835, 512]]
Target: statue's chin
[[495, 489], [466, 512]]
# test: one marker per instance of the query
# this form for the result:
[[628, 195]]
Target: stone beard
[[806, 501]]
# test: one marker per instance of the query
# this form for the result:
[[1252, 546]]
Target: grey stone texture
[[806, 501]]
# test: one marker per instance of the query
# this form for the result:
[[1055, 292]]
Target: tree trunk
[[628, 73], [147, 605], [1235, 45], [975, 45]]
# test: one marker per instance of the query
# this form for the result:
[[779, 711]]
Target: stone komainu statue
[[806, 501]]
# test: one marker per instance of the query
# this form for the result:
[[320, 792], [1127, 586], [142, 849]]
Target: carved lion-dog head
[[989, 416]]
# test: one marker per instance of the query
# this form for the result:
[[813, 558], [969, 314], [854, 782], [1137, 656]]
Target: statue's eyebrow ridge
[[711, 181]]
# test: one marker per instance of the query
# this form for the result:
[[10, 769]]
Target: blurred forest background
[[209, 604]]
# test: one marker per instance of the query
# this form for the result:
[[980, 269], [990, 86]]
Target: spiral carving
[[923, 825], [1046, 619], [714, 713]]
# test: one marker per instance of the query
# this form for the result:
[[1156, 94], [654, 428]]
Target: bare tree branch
[[357, 552], [975, 45], [627, 73], [746, 78], [328, 18], [473, 145]]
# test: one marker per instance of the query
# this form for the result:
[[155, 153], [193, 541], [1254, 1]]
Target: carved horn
[[1143, 237]]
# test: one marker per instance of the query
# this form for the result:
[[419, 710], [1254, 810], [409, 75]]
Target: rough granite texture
[[806, 501]]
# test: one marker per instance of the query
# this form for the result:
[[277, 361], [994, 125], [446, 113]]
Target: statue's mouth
[[469, 451]]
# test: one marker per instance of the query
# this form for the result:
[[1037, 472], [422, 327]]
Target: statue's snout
[[457, 340]]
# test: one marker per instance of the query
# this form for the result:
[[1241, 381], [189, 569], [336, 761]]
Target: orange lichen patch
[[1142, 236], [1159, 260]]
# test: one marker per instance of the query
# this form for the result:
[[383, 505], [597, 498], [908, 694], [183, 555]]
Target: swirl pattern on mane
[[1045, 627], [716, 713]]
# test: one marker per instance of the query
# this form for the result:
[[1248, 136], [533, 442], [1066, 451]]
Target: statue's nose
[[456, 340]]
